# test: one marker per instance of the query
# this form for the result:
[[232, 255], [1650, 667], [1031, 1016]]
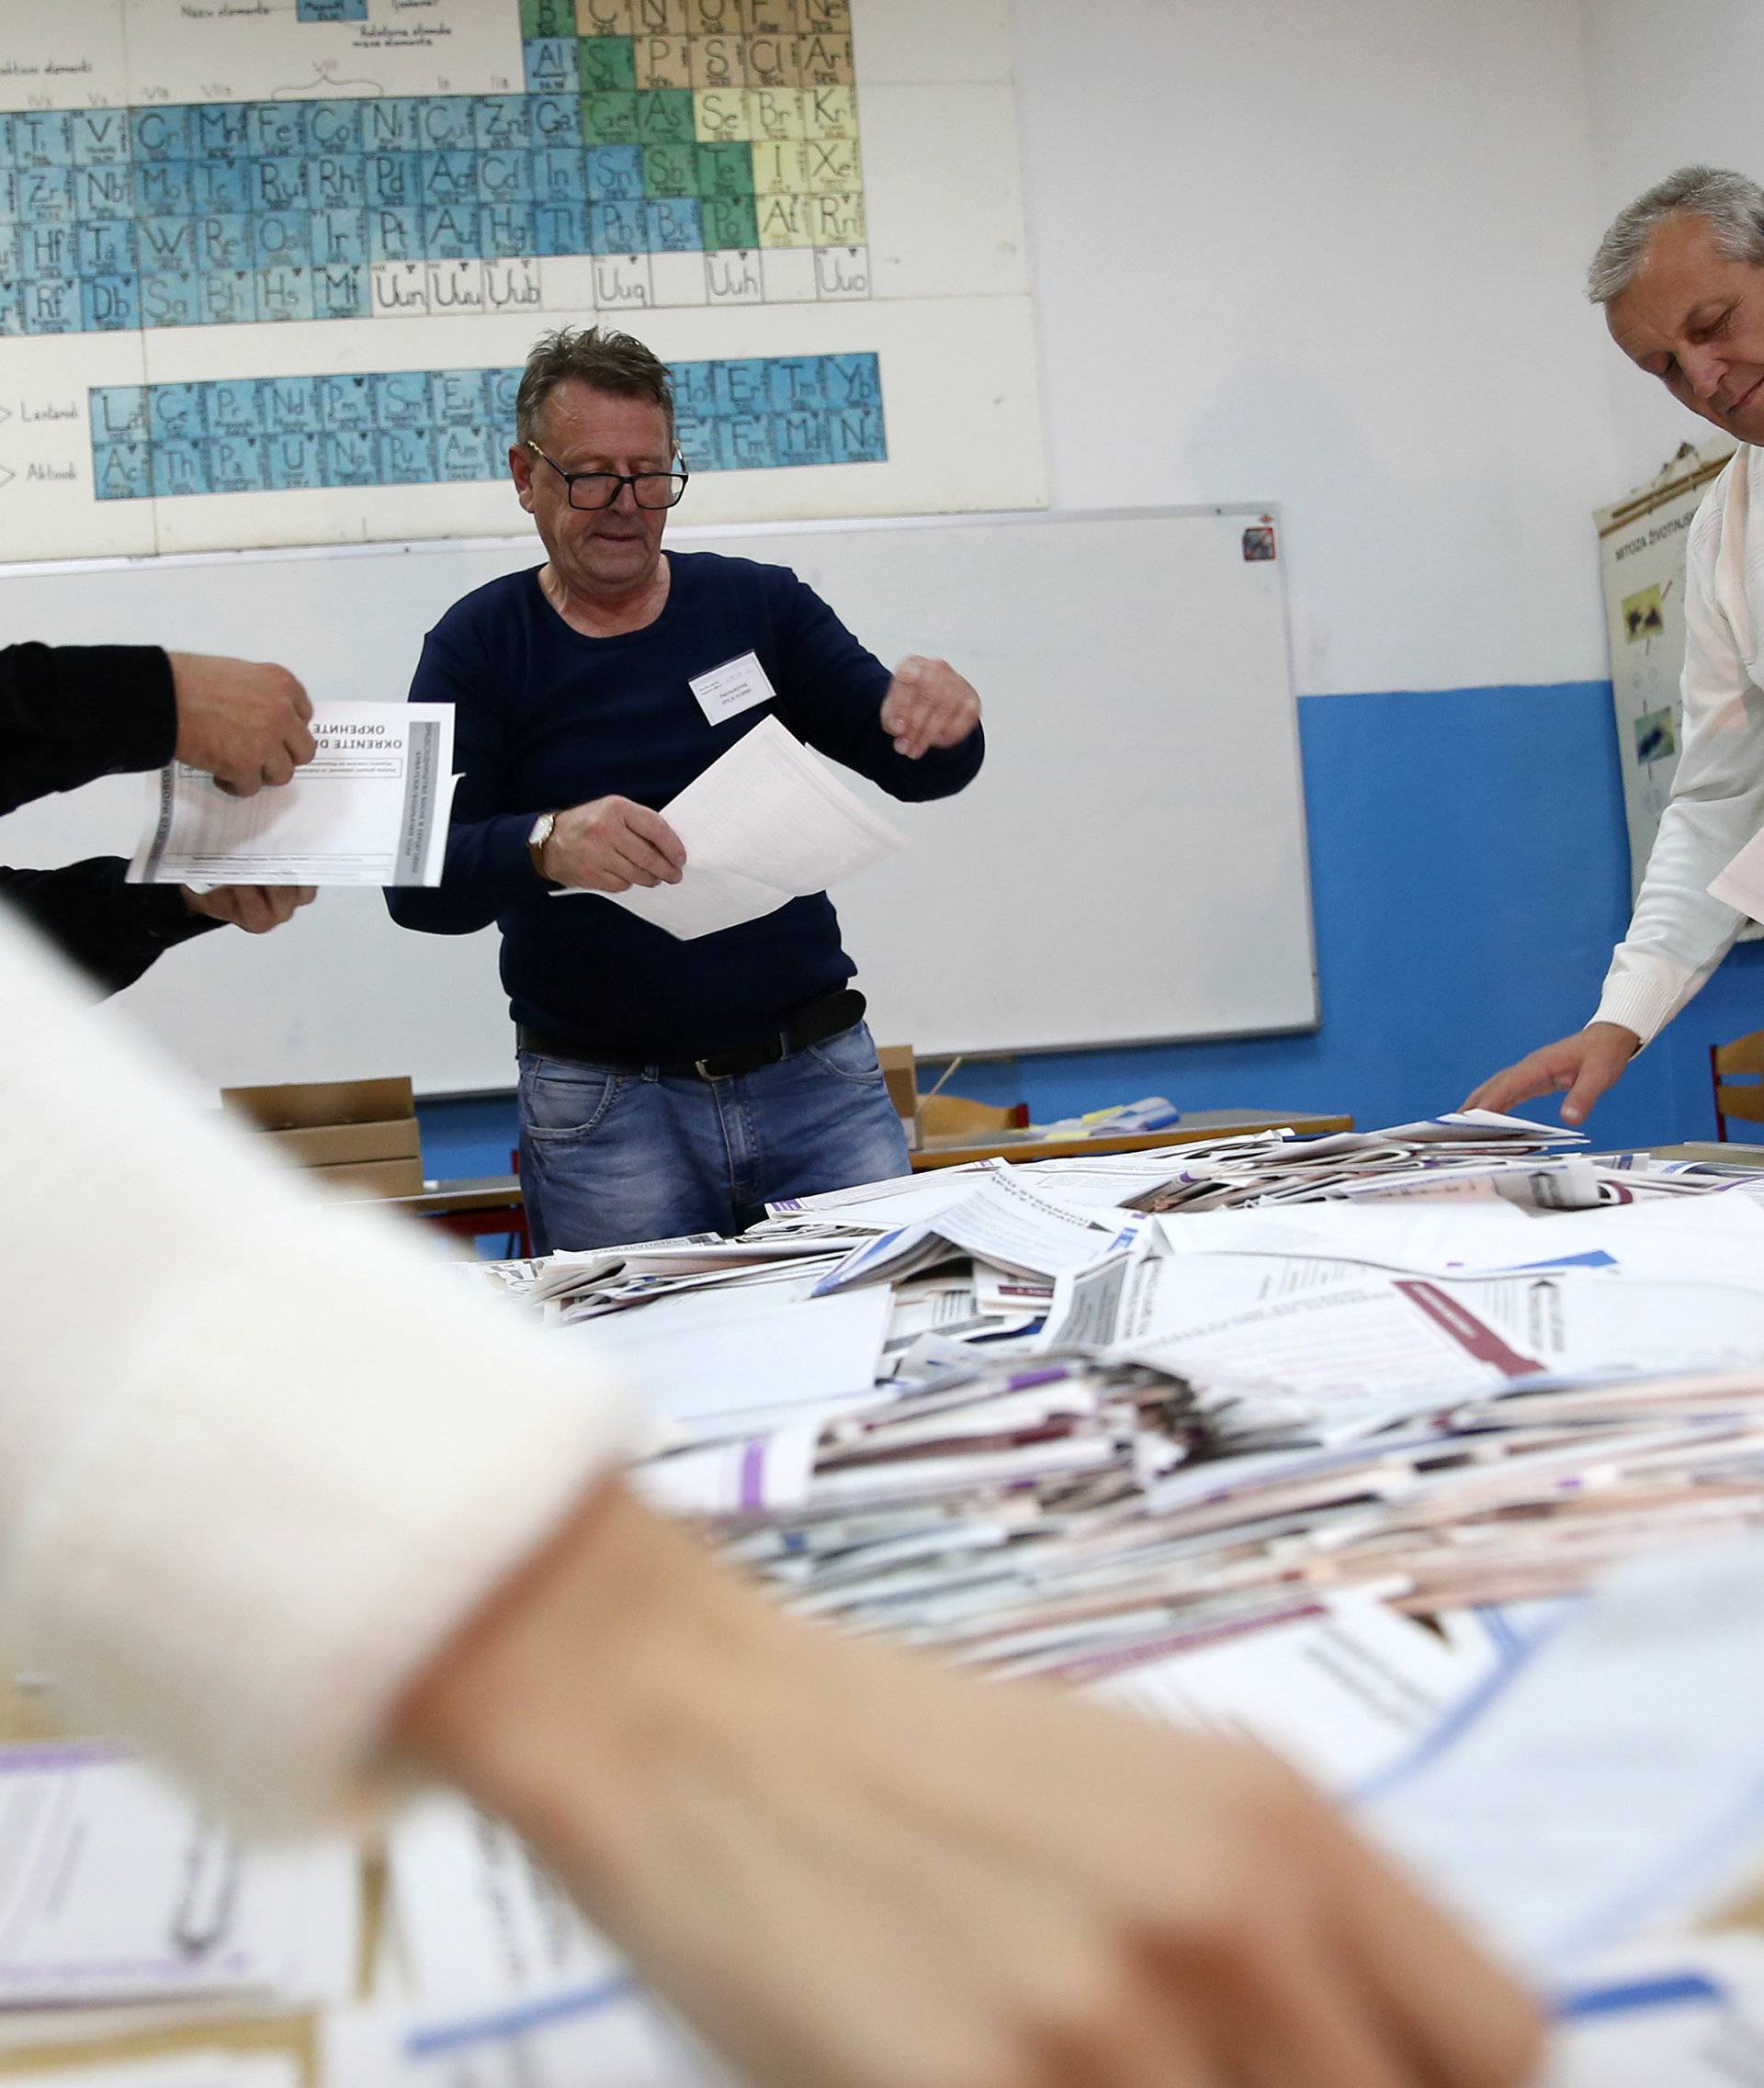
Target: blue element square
[[12, 318], [449, 177], [165, 243], [341, 290], [119, 413], [98, 192], [280, 238], [406, 457], [221, 184], [391, 180], [456, 399], [451, 234], [749, 442], [42, 138], [45, 249], [334, 126], [559, 227], [284, 292], [499, 123], [293, 461], [554, 123], [177, 413], [796, 384], [349, 458], [617, 228], [165, 189], [395, 235], [559, 177], [696, 437], [278, 130], [443, 122], [504, 178], [46, 195], [855, 433], [401, 399], [464, 455], [851, 380], [180, 467], [10, 254], [5, 137], [694, 387], [223, 240], [289, 405], [157, 133], [346, 403], [122, 471], [500, 387], [279, 185], [109, 304], [338, 181], [389, 124], [742, 387], [105, 249], [673, 224], [235, 464], [100, 137], [551, 63], [168, 297], [10, 196], [614, 175], [505, 229], [229, 296], [339, 238], [800, 439], [220, 133], [330, 10], [233, 406]]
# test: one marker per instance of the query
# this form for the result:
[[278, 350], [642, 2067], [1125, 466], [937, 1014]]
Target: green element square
[[606, 64], [670, 170], [726, 169], [548, 18], [664, 116], [729, 220], [609, 120]]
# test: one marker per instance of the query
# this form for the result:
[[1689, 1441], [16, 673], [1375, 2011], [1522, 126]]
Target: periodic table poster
[[269, 268]]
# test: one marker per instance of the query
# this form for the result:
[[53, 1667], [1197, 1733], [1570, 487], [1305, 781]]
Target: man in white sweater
[[284, 1506], [1680, 275]]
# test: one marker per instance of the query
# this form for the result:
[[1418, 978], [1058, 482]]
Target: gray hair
[[598, 358], [1732, 206]]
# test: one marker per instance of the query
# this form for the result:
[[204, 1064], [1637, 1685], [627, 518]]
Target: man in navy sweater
[[665, 1086]]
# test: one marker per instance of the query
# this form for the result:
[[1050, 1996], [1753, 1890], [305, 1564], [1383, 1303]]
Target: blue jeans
[[609, 1156]]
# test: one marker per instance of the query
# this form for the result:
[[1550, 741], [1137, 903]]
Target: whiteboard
[[1130, 864]]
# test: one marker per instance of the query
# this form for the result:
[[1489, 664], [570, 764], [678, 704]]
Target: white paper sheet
[[206, 2069], [369, 808], [765, 824], [1687, 2013], [1741, 883]]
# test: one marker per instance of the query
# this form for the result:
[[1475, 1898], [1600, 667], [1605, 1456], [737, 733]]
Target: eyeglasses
[[601, 489]]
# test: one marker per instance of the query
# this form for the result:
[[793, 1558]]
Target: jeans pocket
[[561, 1100], [851, 1054]]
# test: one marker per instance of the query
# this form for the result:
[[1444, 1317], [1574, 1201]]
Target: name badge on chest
[[735, 686]]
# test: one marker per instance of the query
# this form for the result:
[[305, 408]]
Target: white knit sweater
[[258, 1456], [1677, 933]]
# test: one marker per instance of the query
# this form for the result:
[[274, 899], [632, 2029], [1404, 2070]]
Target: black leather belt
[[827, 1017]]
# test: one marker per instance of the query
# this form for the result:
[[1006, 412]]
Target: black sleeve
[[69, 712], [111, 930]]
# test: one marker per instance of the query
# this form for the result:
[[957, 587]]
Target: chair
[[1745, 1097]]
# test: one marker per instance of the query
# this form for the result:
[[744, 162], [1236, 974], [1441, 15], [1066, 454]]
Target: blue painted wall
[[1470, 875]]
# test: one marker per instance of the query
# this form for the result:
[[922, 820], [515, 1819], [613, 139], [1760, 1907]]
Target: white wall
[[1328, 252], [1665, 90]]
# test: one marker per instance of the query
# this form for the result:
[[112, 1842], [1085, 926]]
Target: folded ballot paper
[[766, 824], [369, 808]]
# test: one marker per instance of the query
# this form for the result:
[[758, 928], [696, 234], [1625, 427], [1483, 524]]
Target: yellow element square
[[720, 116], [718, 61], [602, 17], [784, 220], [826, 60], [772, 60], [662, 61], [828, 112], [835, 220], [828, 166], [773, 17], [658, 18], [833, 16], [775, 113], [716, 17], [779, 169]]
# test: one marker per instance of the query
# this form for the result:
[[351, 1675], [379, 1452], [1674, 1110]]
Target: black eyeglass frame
[[620, 480]]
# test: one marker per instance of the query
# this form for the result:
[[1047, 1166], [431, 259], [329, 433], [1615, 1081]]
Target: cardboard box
[[940, 1116], [358, 1136], [348, 1145], [308, 1103]]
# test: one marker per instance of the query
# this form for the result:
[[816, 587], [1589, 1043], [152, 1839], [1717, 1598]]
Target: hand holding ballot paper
[[765, 824]]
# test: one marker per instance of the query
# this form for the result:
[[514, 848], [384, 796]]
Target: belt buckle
[[701, 1067]]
